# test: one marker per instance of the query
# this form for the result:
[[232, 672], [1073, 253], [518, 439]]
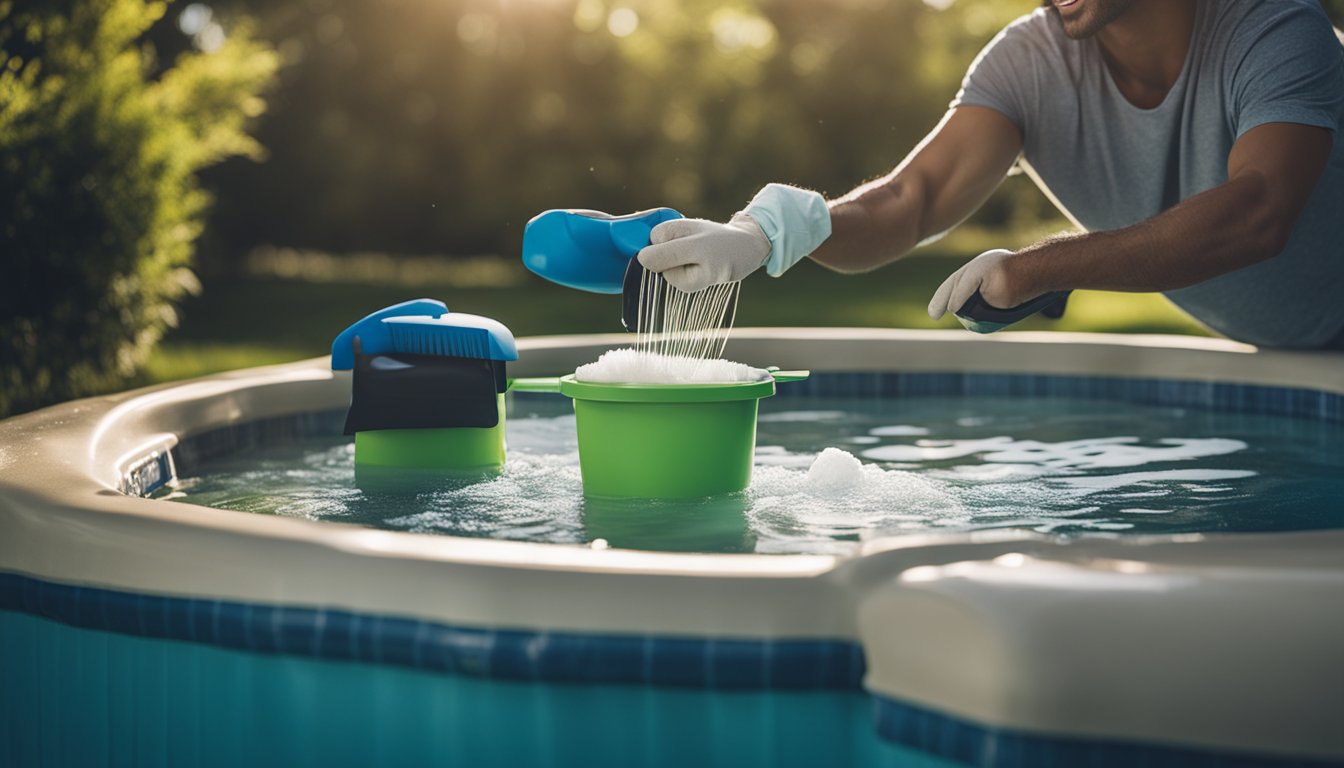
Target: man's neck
[[1145, 49]]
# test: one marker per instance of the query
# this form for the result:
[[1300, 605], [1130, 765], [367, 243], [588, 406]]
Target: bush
[[99, 202]]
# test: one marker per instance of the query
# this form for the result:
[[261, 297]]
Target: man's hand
[[987, 273], [693, 254]]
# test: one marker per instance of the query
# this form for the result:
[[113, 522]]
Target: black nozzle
[[634, 277], [630, 289]]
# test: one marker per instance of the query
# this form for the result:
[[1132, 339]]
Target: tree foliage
[[99, 201], [441, 126]]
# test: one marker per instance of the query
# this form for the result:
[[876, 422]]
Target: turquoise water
[[1066, 467], [76, 697]]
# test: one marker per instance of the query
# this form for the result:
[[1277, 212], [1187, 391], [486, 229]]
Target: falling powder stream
[[688, 328]]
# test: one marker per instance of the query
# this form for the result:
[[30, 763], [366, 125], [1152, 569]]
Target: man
[[1195, 143]]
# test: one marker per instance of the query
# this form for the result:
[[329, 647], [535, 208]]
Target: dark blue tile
[[334, 637], [202, 621], [396, 642], [452, 649], [799, 665], [737, 664], [60, 603], [121, 612], [518, 654], [154, 615], [230, 624], [969, 743], [596, 657], [677, 661], [263, 632], [177, 618]]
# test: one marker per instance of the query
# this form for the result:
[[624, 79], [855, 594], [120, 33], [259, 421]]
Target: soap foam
[[631, 366], [835, 471], [839, 500]]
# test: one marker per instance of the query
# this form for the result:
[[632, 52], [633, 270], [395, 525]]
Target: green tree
[[99, 201]]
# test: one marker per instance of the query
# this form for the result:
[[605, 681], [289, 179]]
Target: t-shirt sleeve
[[1288, 67], [1002, 75]]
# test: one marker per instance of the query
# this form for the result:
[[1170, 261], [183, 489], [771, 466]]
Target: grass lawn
[[240, 322]]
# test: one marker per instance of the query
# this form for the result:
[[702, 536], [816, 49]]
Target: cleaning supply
[[633, 366], [588, 250], [664, 440], [594, 251], [428, 387], [980, 316]]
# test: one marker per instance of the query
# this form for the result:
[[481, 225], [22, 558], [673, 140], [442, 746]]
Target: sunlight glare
[[622, 21]]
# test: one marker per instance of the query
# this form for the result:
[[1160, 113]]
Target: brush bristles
[[442, 341]]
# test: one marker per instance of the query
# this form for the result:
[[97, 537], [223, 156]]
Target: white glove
[[693, 254], [962, 284]]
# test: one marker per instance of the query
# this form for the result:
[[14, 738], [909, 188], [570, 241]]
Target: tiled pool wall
[[542, 655], [733, 667]]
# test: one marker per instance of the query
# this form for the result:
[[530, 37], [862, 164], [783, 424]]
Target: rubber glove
[[693, 254], [780, 226], [962, 284]]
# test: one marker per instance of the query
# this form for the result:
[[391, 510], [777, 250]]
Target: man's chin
[[1075, 27], [1078, 31], [1085, 18]]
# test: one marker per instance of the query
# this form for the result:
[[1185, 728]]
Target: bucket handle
[[542, 384], [788, 375]]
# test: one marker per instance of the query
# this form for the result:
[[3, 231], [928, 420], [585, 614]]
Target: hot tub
[[145, 632]]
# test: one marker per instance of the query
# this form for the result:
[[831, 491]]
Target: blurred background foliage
[[405, 143], [430, 126], [100, 207]]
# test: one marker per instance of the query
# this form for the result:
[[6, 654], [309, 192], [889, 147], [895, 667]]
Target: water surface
[[1065, 467]]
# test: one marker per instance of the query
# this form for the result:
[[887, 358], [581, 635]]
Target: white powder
[[630, 366], [835, 471]]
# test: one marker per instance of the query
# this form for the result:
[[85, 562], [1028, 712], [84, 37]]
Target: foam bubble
[[835, 471], [632, 366]]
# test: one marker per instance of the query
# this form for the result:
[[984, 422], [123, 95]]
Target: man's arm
[[941, 182], [1272, 171]]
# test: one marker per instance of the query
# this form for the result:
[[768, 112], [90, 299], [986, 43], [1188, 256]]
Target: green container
[[663, 441], [460, 449]]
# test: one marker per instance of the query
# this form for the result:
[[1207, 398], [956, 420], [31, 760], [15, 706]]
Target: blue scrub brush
[[424, 327], [428, 388]]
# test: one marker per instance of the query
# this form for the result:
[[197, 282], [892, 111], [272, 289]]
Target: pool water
[[1065, 467]]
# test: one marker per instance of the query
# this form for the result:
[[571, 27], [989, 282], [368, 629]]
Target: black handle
[[634, 278], [1050, 305], [634, 275]]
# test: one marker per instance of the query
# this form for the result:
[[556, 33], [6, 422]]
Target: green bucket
[[468, 450], [663, 440]]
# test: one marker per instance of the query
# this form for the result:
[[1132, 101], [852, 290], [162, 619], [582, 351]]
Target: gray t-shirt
[[1109, 164]]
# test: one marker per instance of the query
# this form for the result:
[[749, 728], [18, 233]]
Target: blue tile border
[[1211, 395], [559, 657], [565, 657], [191, 451], [976, 745]]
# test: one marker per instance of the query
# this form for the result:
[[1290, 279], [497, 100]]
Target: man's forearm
[[942, 181], [871, 226], [1226, 228]]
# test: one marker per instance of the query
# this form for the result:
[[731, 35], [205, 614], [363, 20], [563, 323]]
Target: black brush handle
[[634, 279], [1050, 305], [634, 276]]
